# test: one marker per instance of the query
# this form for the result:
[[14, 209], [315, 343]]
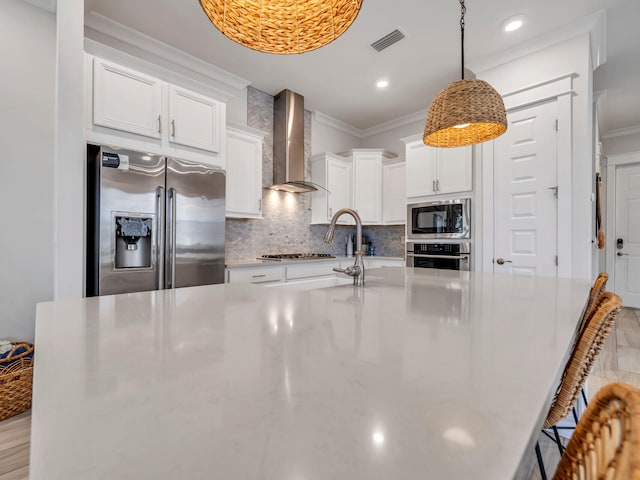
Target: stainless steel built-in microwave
[[441, 219]]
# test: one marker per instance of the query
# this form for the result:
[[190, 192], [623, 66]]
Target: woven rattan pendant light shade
[[282, 26], [474, 103], [466, 112]]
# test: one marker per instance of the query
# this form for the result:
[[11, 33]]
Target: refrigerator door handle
[[171, 238], [160, 227]]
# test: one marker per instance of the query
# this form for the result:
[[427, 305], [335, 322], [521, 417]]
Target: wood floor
[[619, 361]]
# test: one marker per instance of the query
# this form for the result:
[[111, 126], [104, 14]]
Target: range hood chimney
[[288, 143]]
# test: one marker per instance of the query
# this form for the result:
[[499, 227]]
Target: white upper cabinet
[[435, 171], [394, 204], [421, 169], [454, 170], [138, 111], [244, 172], [354, 179], [334, 176], [194, 120], [126, 100], [367, 186]]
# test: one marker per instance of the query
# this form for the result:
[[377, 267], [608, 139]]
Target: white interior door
[[525, 193], [627, 239]]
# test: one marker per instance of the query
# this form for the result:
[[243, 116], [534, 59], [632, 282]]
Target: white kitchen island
[[420, 374]]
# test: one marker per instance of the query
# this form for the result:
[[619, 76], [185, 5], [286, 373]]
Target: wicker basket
[[16, 379]]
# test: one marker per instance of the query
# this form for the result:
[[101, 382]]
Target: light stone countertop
[[420, 374], [253, 262]]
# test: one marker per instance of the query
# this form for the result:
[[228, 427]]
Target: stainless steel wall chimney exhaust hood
[[288, 143]]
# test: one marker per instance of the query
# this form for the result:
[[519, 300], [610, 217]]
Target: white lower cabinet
[[244, 172], [384, 262], [303, 270], [308, 270], [258, 274]]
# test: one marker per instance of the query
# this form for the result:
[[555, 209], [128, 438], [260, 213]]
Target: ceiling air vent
[[388, 40]]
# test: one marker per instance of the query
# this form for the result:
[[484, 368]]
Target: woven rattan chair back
[[598, 289], [584, 353], [606, 443]]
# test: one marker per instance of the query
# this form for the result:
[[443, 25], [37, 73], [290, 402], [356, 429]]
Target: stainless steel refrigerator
[[153, 222]]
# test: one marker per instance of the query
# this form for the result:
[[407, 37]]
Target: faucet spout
[[357, 270]]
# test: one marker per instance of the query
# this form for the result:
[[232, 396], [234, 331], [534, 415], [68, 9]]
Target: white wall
[[27, 49], [390, 139], [621, 144], [237, 109], [327, 138], [572, 56]]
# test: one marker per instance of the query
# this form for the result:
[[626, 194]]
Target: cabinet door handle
[[159, 124], [437, 185], [330, 213], [434, 186], [260, 204], [258, 276], [173, 128]]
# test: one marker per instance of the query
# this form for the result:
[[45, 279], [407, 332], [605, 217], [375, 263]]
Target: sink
[[313, 283]]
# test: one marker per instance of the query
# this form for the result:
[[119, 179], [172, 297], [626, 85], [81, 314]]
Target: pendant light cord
[[463, 10]]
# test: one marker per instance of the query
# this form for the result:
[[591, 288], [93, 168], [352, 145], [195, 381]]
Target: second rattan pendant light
[[282, 26], [466, 112]]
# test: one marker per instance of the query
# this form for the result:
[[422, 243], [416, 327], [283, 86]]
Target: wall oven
[[442, 219], [448, 256]]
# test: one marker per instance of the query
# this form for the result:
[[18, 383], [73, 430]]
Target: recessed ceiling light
[[382, 83], [512, 24]]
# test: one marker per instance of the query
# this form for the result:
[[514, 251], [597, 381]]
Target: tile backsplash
[[286, 226]]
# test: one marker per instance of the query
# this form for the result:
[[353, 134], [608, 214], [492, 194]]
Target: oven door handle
[[449, 257]]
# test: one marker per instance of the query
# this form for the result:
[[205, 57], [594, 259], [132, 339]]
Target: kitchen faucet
[[357, 269]]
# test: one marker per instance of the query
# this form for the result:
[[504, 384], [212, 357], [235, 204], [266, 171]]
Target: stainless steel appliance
[[296, 256], [448, 256], [441, 219], [153, 222]]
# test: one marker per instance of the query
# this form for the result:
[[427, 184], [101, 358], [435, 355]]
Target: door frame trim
[[562, 91], [612, 164]]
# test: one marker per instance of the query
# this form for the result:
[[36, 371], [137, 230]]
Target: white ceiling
[[339, 79]]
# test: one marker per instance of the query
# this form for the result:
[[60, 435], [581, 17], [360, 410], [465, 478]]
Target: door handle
[[171, 239], [502, 261], [620, 254], [160, 230]]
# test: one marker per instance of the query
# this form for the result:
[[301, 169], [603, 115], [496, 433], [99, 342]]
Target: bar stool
[[606, 443]]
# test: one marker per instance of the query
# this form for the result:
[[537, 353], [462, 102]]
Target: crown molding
[[376, 129], [139, 44], [48, 5], [337, 124], [594, 25], [419, 116], [622, 132]]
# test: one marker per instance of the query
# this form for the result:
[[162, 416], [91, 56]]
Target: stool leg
[[584, 397], [543, 472], [558, 441]]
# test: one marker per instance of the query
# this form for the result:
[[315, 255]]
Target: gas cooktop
[[296, 256]]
